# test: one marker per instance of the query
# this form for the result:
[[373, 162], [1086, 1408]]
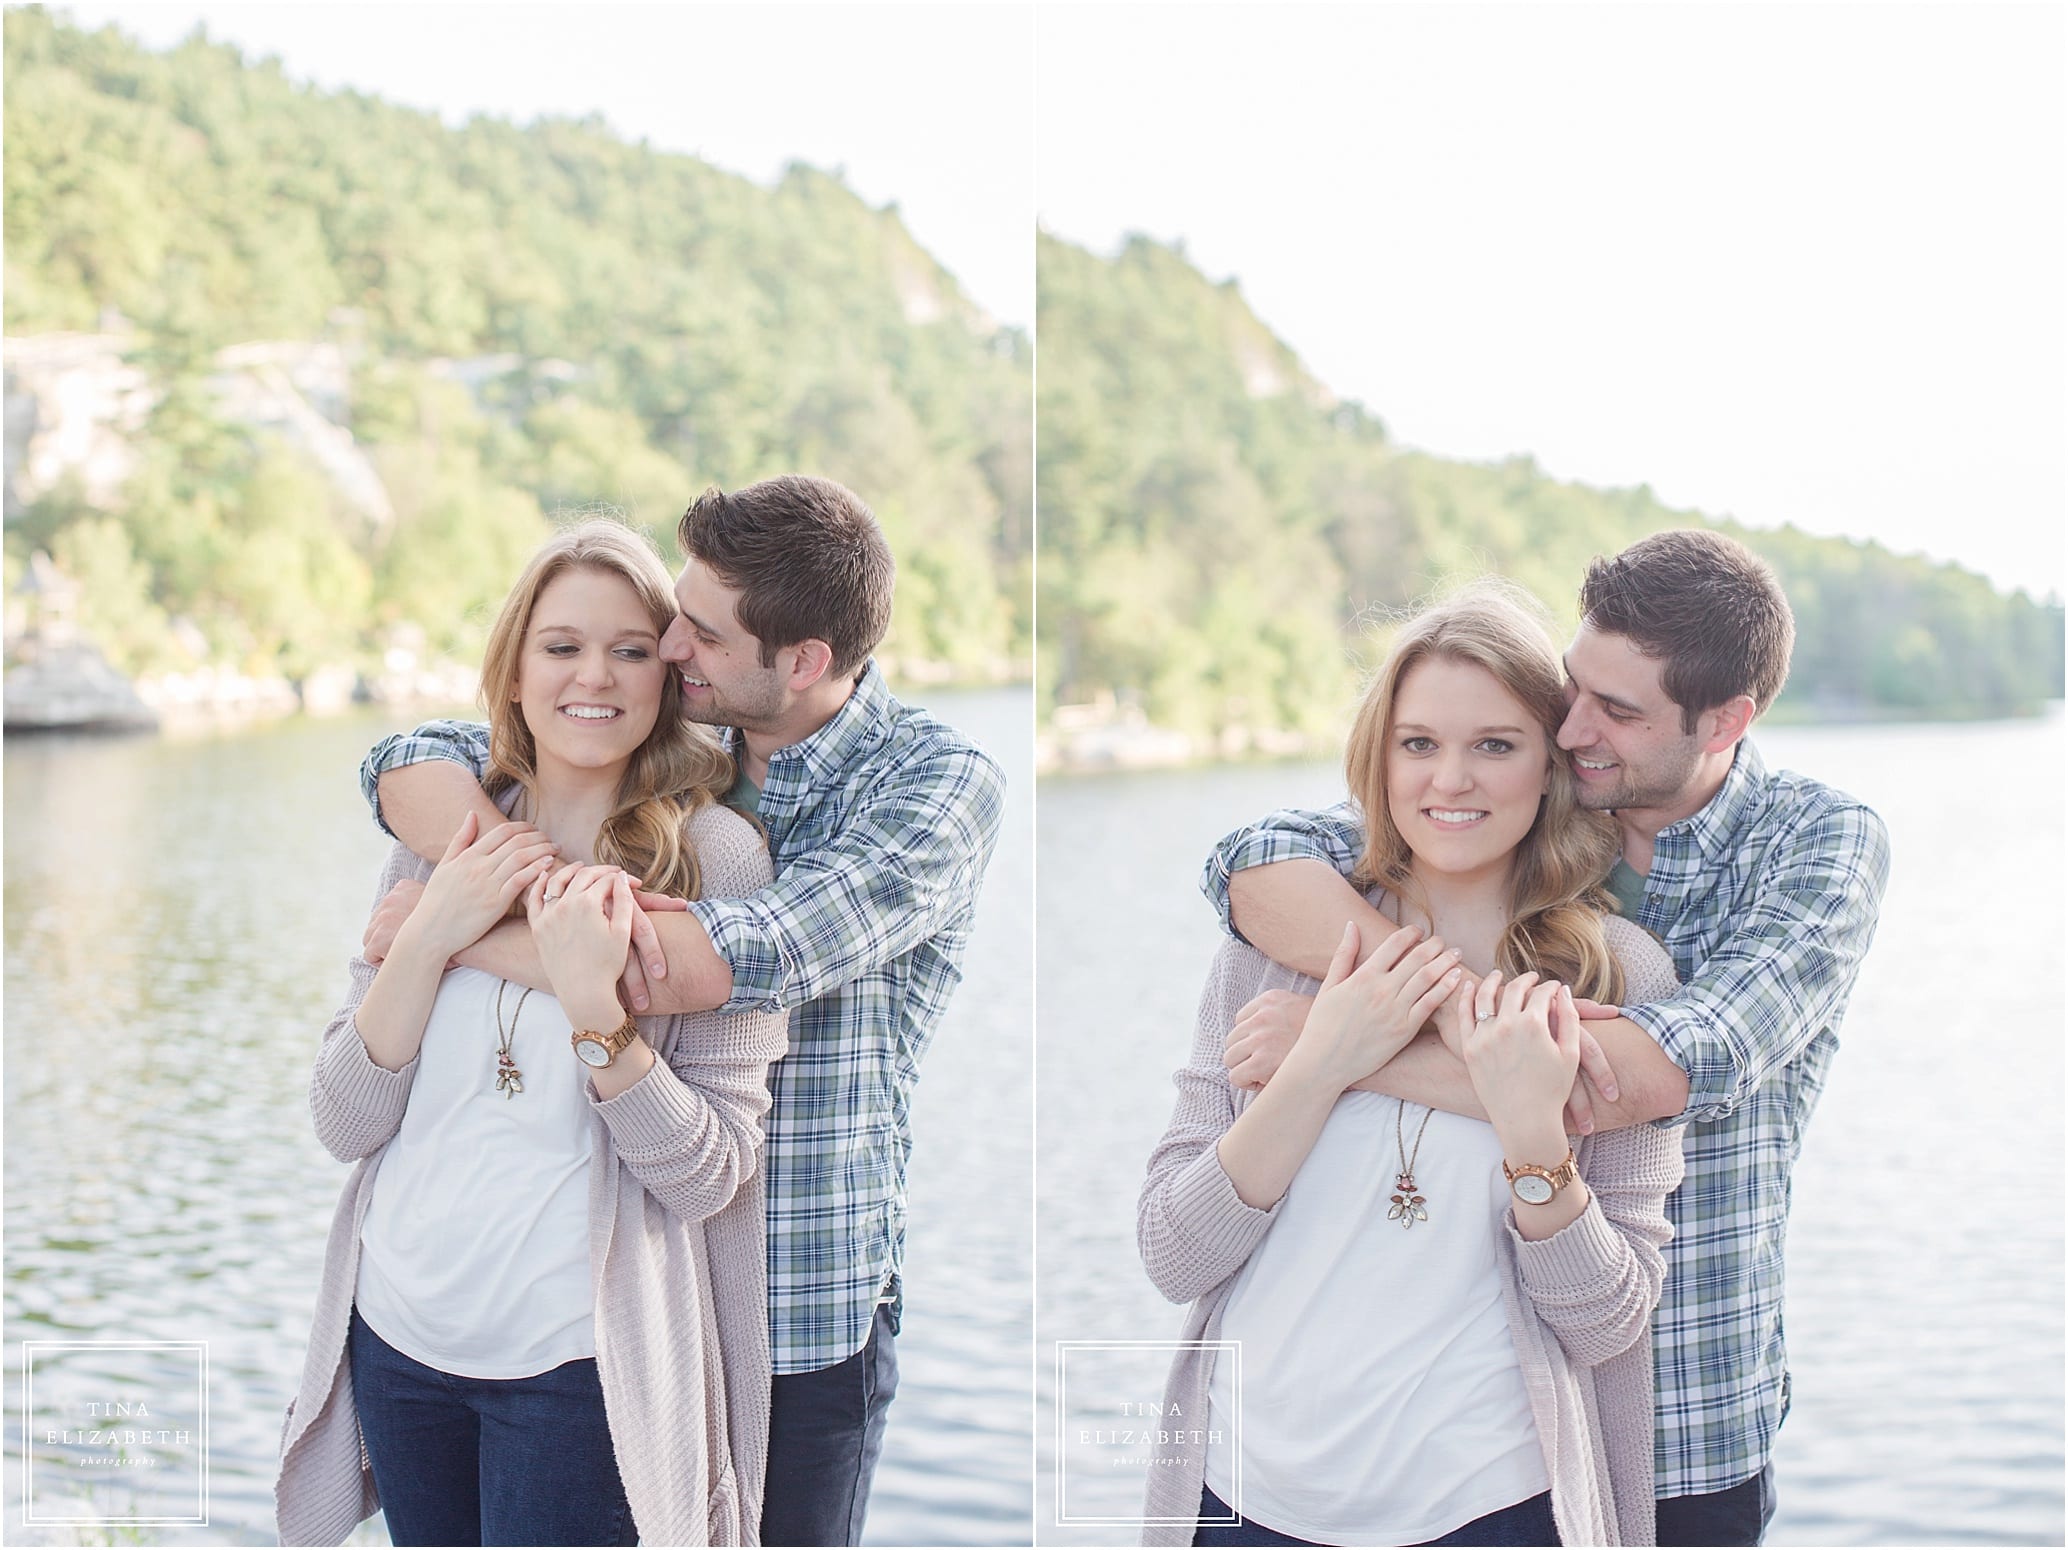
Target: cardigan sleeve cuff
[[1220, 1224], [1574, 1258], [651, 1115], [356, 1084]]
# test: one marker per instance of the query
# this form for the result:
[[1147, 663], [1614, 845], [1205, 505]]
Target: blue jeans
[[1736, 1516], [487, 1461], [825, 1434], [1525, 1523]]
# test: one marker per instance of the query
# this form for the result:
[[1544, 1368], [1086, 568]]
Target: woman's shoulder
[[402, 865], [1648, 972], [1241, 972], [732, 854]]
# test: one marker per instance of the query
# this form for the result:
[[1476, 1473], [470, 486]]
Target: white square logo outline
[[30, 1517], [1227, 1348]]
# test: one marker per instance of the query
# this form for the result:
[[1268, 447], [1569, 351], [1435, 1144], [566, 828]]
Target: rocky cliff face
[[74, 404]]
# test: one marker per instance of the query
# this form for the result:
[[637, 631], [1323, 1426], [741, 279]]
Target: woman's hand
[[474, 883], [1366, 1014], [581, 919], [1521, 1045]]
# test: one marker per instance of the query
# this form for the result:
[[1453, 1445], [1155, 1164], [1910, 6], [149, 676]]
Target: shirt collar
[[856, 728], [1713, 828]]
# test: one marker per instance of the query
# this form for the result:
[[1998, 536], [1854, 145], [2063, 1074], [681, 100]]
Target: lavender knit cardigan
[[676, 1250], [1579, 1303]]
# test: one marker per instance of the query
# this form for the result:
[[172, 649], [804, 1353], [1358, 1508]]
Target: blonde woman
[[1443, 1322], [542, 1318]]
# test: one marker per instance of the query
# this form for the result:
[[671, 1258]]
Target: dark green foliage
[[1214, 526], [673, 325]]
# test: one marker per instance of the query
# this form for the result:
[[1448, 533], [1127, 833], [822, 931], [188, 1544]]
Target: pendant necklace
[[1409, 1205], [509, 1081]]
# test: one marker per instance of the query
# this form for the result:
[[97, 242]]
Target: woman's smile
[[1454, 818]]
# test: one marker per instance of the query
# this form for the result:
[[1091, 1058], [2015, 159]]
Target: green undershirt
[[1627, 884]]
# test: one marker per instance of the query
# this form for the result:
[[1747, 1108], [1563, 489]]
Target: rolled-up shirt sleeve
[[461, 742], [1784, 972], [906, 864], [1334, 836]]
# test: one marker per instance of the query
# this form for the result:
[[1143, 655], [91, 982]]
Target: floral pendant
[[509, 1081], [1408, 1207]]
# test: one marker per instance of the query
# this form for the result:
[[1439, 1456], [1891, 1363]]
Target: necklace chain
[[509, 1081]]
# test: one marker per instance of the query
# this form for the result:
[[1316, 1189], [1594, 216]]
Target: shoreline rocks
[[70, 687]]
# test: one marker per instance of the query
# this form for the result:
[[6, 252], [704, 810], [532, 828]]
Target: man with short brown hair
[[1703, 605], [1764, 887], [807, 557]]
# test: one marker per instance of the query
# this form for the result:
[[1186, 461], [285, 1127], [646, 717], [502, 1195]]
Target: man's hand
[[645, 961], [388, 916], [1264, 1033], [1594, 1069]]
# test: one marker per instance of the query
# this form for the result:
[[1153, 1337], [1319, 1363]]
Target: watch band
[[614, 1044]]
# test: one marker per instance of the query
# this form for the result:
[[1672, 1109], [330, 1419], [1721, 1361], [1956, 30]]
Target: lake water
[[1925, 1289], [179, 915]]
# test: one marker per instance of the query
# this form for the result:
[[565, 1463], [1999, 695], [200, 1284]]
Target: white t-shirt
[[474, 1256], [1382, 1401]]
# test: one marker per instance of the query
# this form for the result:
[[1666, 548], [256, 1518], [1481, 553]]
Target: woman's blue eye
[[1497, 745], [1417, 744], [632, 653]]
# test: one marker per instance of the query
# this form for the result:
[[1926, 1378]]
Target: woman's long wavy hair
[[678, 769], [1557, 895]]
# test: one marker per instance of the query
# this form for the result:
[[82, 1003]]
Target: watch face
[[1533, 1189], [594, 1054]]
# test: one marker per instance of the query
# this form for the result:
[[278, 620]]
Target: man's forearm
[[698, 979], [1294, 912], [1426, 1072], [422, 804], [508, 952], [1649, 1086]]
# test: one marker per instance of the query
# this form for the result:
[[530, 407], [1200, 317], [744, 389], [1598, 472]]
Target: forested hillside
[[534, 318], [1213, 520]]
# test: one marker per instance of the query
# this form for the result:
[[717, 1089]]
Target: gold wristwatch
[[1536, 1186], [597, 1050]]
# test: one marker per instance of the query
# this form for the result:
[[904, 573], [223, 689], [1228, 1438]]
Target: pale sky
[[1781, 262], [928, 106]]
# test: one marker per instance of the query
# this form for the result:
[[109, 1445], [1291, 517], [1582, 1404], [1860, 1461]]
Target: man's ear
[[812, 661], [1721, 728]]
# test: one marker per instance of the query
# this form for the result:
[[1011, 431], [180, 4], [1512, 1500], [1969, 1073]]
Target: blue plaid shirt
[[1767, 900], [881, 824]]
